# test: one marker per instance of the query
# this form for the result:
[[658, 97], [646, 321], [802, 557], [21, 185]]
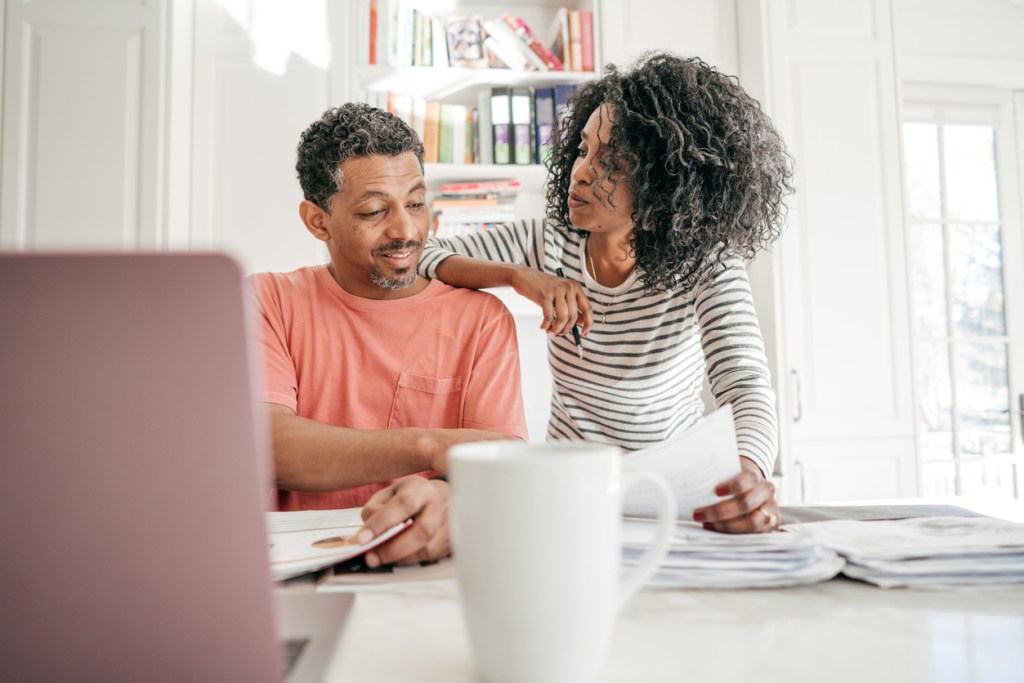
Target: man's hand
[[423, 500], [751, 509]]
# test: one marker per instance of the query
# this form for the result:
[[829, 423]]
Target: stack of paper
[[302, 542], [928, 551], [700, 558]]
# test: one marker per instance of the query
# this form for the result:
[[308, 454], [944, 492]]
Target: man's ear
[[315, 220]]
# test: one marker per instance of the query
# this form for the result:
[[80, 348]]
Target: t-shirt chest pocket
[[426, 402]]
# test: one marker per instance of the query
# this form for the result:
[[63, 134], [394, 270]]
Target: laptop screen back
[[132, 472]]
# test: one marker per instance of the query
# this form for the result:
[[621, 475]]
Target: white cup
[[536, 532]]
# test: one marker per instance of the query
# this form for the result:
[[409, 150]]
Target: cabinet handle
[[799, 396], [803, 489]]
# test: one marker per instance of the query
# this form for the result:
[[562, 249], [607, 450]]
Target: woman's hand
[[751, 509], [562, 301]]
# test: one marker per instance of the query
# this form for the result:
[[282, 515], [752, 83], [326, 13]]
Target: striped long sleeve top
[[647, 353]]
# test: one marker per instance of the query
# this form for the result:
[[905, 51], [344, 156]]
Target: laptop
[[134, 479]]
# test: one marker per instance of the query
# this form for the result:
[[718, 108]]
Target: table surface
[[836, 631]]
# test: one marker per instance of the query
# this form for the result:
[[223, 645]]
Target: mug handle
[[655, 554]]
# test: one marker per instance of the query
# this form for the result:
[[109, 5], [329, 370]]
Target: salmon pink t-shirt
[[445, 357]]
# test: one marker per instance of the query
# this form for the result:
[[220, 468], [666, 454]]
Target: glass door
[[967, 302]]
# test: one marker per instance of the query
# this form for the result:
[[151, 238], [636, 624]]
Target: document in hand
[[926, 551], [302, 542], [700, 558], [693, 462]]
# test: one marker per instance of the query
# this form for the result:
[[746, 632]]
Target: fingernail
[[709, 526], [698, 516], [372, 561], [721, 490], [365, 535]]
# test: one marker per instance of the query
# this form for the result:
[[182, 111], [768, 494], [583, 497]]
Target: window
[[964, 265]]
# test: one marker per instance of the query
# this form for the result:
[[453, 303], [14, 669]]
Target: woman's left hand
[[750, 509]]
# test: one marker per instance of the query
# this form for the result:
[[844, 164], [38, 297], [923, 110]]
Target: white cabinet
[[837, 319], [83, 131]]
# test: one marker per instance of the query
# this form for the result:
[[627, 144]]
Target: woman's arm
[[510, 255]]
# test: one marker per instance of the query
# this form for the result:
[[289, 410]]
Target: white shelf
[[530, 175], [440, 82]]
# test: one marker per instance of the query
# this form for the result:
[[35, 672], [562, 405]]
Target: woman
[[663, 178]]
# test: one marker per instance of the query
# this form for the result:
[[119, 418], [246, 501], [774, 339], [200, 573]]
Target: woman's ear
[[314, 219]]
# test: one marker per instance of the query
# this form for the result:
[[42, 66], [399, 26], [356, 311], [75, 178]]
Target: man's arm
[[310, 456]]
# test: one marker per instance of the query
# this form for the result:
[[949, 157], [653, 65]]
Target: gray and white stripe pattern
[[644, 360]]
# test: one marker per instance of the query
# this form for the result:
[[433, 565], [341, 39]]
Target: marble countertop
[[836, 631]]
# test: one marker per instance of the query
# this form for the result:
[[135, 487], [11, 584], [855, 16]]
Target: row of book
[[402, 35], [508, 125], [473, 205]]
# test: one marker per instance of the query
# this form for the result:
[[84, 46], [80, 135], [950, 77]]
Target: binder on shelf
[[529, 38], [544, 122], [501, 125], [522, 125], [562, 93], [586, 40]]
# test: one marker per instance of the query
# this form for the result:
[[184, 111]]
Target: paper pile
[[700, 558], [929, 551]]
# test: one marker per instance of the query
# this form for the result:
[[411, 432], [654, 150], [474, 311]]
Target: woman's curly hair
[[351, 130], [707, 170]]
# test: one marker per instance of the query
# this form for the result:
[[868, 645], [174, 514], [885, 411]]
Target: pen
[[575, 327]]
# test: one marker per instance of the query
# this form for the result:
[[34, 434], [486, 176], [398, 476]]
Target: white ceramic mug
[[536, 532]]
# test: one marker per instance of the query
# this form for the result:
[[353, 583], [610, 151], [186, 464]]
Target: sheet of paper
[[293, 553], [308, 520], [693, 463]]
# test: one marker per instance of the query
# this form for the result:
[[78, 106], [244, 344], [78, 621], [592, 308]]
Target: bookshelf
[[387, 75]]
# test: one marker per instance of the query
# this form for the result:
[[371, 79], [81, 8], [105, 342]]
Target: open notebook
[[133, 477]]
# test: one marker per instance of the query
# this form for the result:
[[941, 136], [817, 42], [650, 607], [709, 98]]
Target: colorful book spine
[[526, 34], [475, 187], [575, 42], [586, 40]]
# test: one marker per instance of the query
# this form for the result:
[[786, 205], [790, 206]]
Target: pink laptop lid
[[132, 473]]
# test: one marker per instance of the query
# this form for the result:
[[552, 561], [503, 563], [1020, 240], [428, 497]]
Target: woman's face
[[599, 197]]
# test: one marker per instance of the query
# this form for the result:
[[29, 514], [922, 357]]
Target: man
[[371, 371]]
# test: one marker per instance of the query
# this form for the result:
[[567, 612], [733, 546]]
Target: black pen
[[575, 327]]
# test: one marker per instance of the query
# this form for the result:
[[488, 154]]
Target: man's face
[[377, 225]]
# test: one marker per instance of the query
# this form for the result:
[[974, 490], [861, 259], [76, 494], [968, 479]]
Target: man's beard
[[402, 281], [384, 282]]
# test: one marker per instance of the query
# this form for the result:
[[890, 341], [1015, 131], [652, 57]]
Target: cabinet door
[[254, 94], [842, 353], [71, 68], [698, 28]]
